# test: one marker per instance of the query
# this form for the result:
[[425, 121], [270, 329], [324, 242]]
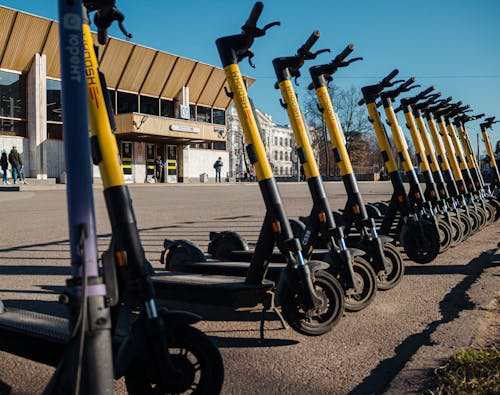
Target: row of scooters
[[325, 263]]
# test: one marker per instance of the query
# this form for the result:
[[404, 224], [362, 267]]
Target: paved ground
[[392, 346]]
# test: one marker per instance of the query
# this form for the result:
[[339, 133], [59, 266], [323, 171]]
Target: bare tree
[[360, 142]]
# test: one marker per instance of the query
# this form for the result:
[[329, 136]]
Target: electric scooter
[[447, 229], [449, 169], [495, 181], [490, 203], [311, 299], [418, 236], [383, 256], [353, 272], [464, 185], [448, 204], [118, 331]]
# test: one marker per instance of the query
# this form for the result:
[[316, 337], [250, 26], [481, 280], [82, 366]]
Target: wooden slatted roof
[[127, 66]]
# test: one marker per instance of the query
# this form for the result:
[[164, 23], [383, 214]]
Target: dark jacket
[[218, 164], [4, 164], [15, 158]]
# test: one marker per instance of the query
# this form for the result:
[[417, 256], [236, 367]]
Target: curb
[[450, 337]]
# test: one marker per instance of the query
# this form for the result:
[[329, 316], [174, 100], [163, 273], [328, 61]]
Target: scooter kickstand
[[268, 304]]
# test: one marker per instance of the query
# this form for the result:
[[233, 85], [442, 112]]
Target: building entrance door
[[127, 155], [150, 162], [171, 164]]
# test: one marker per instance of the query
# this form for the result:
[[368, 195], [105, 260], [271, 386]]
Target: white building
[[278, 141]]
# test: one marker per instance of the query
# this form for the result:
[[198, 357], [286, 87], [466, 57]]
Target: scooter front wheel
[[394, 263], [327, 315], [445, 235], [196, 358], [421, 241], [457, 231], [365, 286]]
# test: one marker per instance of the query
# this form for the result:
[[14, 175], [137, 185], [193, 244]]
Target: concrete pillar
[[37, 117]]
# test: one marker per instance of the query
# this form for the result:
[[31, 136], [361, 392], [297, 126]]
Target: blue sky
[[453, 44]]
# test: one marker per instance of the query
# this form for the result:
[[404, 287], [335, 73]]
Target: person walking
[[4, 164], [17, 165], [218, 166]]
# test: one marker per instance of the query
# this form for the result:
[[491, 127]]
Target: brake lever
[[394, 83], [348, 62], [124, 31], [409, 88], [250, 55], [321, 51], [270, 25]]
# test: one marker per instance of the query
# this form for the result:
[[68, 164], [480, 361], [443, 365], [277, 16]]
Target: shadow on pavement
[[450, 307]]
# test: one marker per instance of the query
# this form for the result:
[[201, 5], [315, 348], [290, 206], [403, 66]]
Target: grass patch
[[469, 372]]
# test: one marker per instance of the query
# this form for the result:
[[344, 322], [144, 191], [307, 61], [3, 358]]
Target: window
[[275, 140], [286, 155], [281, 141], [127, 102], [54, 131], [219, 117], [167, 108], [204, 114], [54, 107], [281, 155], [219, 145], [275, 155], [112, 99], [281, 171], [149, 105], [192, 112], [12, 104], [204, 145]]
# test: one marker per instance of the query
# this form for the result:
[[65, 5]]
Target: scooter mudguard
[[385, 239], [289, 277], [356, 252], [236, 241], [136, 344], [190, 250]]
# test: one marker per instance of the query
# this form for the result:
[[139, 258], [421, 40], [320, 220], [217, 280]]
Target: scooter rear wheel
[[395, 271], [421, 241], [194, 356], [331, 311], [365, 286]]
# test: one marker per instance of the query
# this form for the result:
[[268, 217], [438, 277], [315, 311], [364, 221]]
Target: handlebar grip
[[388, 79], [361, 102], [345, 53], [428, 90], [407, 83], [310, 41], [255, 14]]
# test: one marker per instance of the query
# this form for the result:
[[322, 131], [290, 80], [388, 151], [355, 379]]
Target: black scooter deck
[[210, 289], [222, 268], [31, 335]]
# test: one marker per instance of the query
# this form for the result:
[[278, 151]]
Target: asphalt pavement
[[392, 346]]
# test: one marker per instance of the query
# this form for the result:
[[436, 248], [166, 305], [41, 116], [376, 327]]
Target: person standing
[[218, 166], [4, 164], [158, 168], [17, 165]]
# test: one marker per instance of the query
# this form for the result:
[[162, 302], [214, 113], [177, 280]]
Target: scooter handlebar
[[387, 80], [310, 42], [106, 14], [252, 20], [344, 54]]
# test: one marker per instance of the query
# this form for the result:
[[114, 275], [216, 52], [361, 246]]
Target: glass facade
[[219, 117], [12, 104], [204, 114], [54, 106], [167, 108], [149, 105], [126, 102]]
